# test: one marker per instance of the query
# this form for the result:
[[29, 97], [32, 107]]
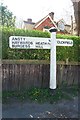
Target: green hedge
[[62, 52], [72, 53]]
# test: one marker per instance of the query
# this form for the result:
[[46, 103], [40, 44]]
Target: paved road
[[0, 109], [62, 109]]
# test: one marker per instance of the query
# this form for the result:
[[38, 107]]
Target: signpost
[[21, 42], [53, 59], [36, 42]]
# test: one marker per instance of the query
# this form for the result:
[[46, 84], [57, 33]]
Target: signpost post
[[53, 59], [21, 42]]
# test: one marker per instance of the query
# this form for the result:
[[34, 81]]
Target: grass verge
[[41, 95]]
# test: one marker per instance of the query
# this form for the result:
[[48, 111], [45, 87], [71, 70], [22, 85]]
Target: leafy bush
[[70, 53], [63, 53]]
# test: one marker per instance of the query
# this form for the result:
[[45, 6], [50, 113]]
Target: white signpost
[[21, 42], [36, 42]]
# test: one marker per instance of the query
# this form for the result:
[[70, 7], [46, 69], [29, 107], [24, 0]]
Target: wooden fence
[[20, 76]]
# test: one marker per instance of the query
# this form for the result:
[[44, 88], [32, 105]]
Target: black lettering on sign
[[49, 43], [37, 43], [23, 38], [39, 46], [15, 42], [13, 46], [14, 38], [42, 43], [31, 43], [18, 38], [22, 42], [71, 42], [27, 46], [64, 42], [58, 42]]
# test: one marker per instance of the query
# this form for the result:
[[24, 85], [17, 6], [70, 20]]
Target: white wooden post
[[53, 59]]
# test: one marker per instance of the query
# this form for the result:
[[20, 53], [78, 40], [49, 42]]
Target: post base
[[52, 91]]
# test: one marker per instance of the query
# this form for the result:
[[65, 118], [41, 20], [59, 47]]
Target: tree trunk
[[76, 6]]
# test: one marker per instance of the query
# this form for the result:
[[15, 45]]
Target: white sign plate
[[29, 42], [64, 42], [22, 42]]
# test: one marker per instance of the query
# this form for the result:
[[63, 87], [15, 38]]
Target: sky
[[37, 9]]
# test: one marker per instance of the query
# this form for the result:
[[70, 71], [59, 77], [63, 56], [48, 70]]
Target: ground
[[33, 109]]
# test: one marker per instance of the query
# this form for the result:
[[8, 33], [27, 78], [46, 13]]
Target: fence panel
[[21, 76]]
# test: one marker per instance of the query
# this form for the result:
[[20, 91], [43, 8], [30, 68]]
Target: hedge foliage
[[63, 53]]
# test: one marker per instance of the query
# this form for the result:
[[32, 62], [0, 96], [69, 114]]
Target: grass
[[41, 95]]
